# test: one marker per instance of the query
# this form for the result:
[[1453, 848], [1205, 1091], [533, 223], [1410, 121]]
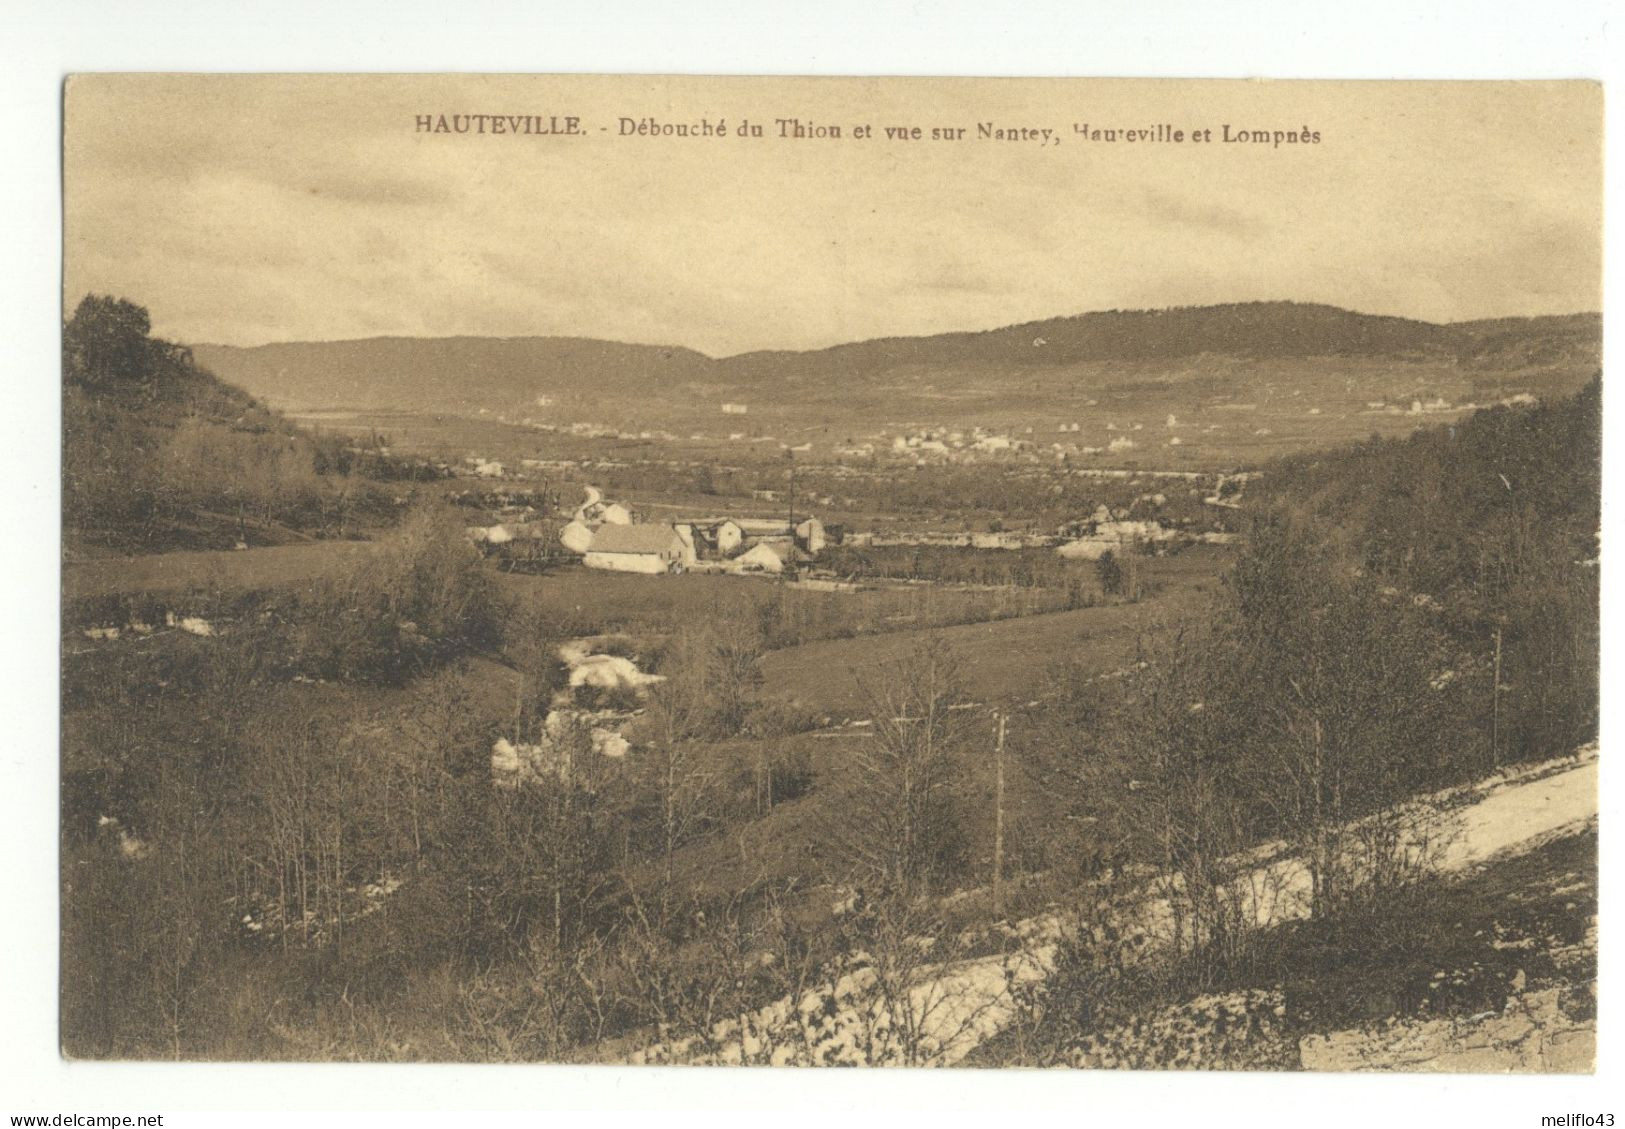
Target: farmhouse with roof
[[650, 549]]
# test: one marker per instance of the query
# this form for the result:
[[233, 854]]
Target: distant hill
[[1257, 329], [447, 373], [1055, 356]]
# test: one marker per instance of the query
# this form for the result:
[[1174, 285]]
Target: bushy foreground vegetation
[[1406, 616], [1492, 527]]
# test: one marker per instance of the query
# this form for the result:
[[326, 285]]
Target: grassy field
[[1003, 661], [580, 601], [1008, 662], [280, 566]]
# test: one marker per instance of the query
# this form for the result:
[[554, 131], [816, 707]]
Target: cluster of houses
[[946, 444], [609, 536], [979, 444], [1419, 406], [606, 536], [1116, 537]]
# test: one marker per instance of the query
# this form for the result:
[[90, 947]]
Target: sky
[[251, 209]]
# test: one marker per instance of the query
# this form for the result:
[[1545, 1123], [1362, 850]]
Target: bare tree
[[897, 825]]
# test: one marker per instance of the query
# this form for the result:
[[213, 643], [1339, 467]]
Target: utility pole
[[998, 821], [518, 705], [1495, 706], [792, 457]]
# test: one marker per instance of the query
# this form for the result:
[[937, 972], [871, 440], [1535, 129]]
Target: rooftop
[[633, 539]]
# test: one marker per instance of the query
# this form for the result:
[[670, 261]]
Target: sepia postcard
[[831, 571]]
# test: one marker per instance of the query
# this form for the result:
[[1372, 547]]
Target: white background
[[41, 42]]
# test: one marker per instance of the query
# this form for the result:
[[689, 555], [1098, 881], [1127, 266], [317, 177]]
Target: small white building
[[728, 536], [810, 535], [652, 549], [717, 536], [576, 536], [1089, 548], [770, 557]]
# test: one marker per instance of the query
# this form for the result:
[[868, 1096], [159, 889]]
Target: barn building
[[650, 549]]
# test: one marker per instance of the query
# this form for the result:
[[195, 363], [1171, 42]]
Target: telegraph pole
[[998, 821], [1495, 706], [791, 456]]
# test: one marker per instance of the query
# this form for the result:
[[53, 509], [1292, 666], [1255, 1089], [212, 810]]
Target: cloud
[[1166, 209], [370, 190], [244, 209], [958, 277]]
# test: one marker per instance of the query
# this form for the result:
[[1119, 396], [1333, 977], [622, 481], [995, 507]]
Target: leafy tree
[[1109, 573], [106, 344]]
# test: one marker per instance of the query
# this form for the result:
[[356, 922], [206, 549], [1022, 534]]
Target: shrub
[[424, 596]]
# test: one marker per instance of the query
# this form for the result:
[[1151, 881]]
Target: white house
[[612, 514], [728, 536], [1089, 548], [718, 536], [576, 536], [770, 557], [652, 549], [810, 535]]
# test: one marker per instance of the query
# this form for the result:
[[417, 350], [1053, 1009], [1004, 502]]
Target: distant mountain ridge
[[440, 372], [461, 373]]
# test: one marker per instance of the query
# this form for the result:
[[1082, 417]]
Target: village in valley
[[608, 535]]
